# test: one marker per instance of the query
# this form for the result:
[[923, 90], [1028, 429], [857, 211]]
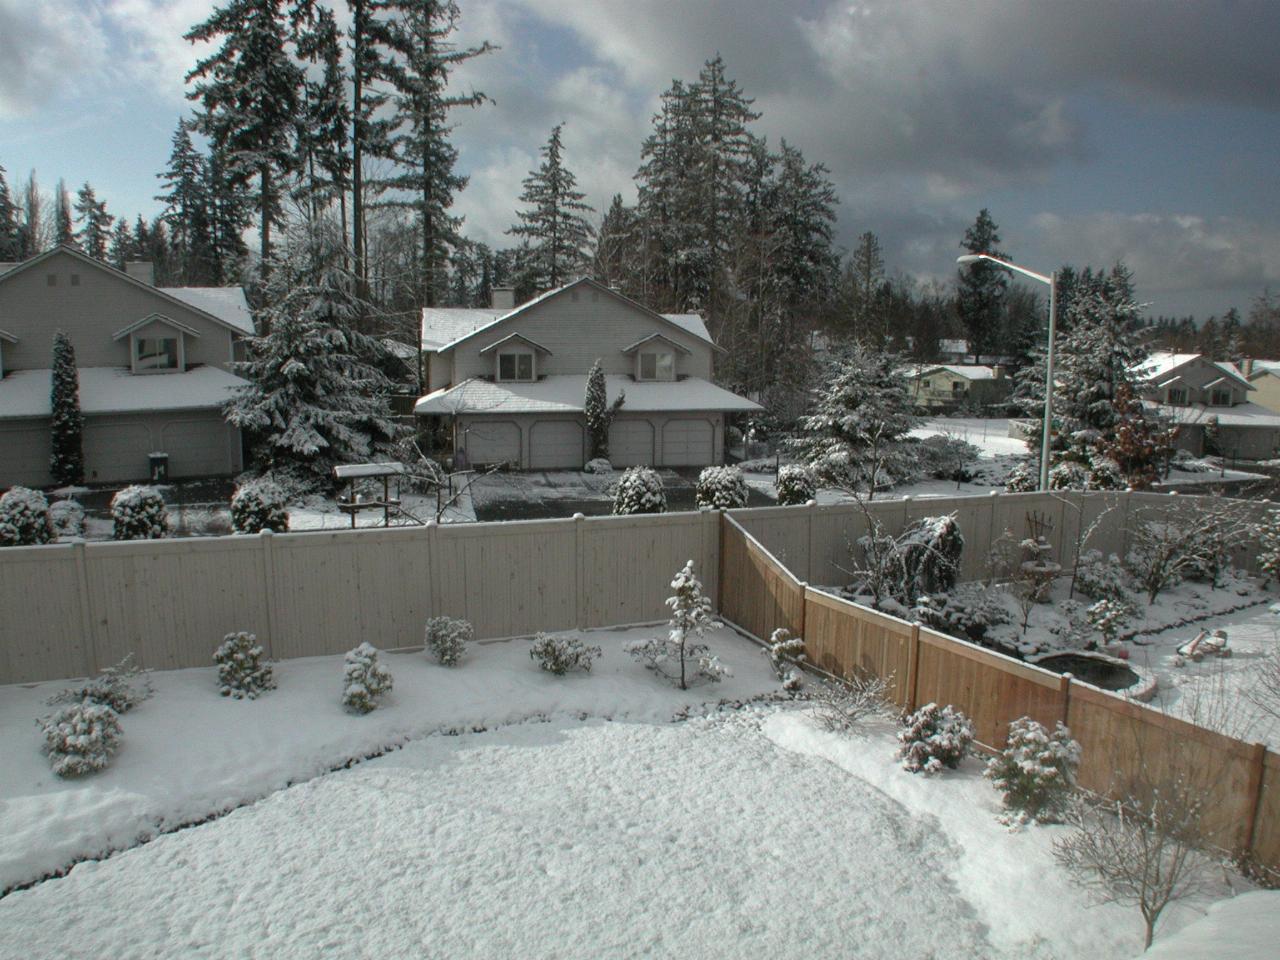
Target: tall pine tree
[[94, 235], [63, 232], [66, 426], [555, 229], [10, 229], [982, 287], [186, 211]]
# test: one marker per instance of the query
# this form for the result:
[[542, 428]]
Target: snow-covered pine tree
[[10, 229], [324, 134], [982, 286], [599, 412], [555, 228], [66, 424], [187, 209], [862, 299], [857, 419], [315, 396], [683, 649], [95, 223], [63, 231]]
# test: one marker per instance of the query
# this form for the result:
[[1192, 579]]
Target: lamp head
[[971, 258]]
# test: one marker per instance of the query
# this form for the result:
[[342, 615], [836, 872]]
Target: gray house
[[154, 366], [509, 382]]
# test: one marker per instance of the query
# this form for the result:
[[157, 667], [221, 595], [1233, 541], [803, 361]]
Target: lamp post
[[1052, 281]]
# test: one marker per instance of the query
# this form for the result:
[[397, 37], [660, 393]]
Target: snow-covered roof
[[970, 371], [225, 303], [25, 393], [514, 336], [1158, 365], [1239, 415], [652, 337], [155, 318], [445, 327], [565, 394], [953, 346], [1265, 366], [401, 351]]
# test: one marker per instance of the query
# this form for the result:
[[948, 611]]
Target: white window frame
[[1217, 392], [533, 366], [658, 355], [1177, 397], [135, 343]]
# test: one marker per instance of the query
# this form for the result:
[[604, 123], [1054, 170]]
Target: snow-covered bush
[[795, 485], [364, 679], [1068, 475], [1101, 579], [24, 518], [1162, 555], [934, 737], [121, 688], [785, 652], [138, 513], [81, 738], [67, 517], [1023, 478], [1269, 545], [1036, 770], [639, 490], [842, 706], [446, 639], [1108, 617], [241, 671], [723, 488], [895, 571], [681, 652], [598, 465], [1073, 629], [1104, 474], [947, 458], [968, 611], [560, 654], [259, 505]]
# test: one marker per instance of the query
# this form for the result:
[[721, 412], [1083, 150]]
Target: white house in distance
[[948, 384], [154, 366], [1194, 392], [510, 381]]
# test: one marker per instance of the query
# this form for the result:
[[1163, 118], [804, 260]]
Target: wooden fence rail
[[1124, 743]]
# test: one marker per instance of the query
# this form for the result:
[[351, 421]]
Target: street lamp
[[1052, 281]]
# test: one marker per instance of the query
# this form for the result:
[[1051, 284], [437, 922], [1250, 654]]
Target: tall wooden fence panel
[[847, 640], [757, 592]]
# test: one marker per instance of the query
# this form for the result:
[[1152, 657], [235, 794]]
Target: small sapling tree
[[66, 423], [446, 639], [1035, 771], [599, 413], [364, 679], [785, 653], [242, 673], [682, 653]]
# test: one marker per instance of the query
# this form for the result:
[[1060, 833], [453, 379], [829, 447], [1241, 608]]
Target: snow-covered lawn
[[188, 753]]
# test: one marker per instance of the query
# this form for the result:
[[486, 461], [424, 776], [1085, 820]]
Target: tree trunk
[[265, 174]]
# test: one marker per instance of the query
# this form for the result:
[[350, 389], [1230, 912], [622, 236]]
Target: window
[[1177, 396], [155, 353], [957, 386], [515, 366], [75, 279], [657, 366], [1220, 398], [925, 383], [52, 280]]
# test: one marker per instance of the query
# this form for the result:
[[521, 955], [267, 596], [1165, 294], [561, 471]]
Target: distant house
[[508, 383], [951, 384], [1264, 377], [1196, 394], [154, 366]]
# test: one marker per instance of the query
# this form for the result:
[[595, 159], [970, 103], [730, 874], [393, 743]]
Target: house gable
[[1189, 379]]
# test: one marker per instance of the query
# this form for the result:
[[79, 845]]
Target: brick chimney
[[141, 270], [1246, 367], [503, 298]]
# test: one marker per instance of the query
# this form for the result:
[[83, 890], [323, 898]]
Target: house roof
[[514, 336], [1164, 362], [25, 393], [650, 338], [1265, 366], [224, 305], [401, 351], [970, 371], [1239, 415], [445, 327], [565, 394], [158, 318]]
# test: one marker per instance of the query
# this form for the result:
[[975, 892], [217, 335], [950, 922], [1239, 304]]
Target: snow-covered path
[[703, 839]]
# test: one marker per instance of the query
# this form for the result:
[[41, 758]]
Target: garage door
[[196, 448], [116, 451], [491, 442], [555, 445], [631, 443], [24, 455], [687, 443]]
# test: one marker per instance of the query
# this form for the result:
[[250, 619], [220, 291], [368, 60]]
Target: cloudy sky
[[1091, 130]]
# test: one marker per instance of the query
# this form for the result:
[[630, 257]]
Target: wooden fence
[[1124, 743]]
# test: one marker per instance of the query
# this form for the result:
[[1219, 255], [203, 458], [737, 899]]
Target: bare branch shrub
[[843, 706]]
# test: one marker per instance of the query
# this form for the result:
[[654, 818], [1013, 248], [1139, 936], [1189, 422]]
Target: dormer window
[[155, 353], [157, 344], [1220, 398], [656, 365], [515, 366], [1177, 396]]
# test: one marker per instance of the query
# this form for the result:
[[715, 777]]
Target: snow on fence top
[[349, 471]]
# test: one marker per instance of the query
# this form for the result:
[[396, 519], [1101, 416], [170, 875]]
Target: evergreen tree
[[315, 396], [614, 259], [599, 412], [555, 230], [10, 229], [121, 244], [34, 233], [983, 287], [228, 217], [66, 426], [863, 284], [247, 91], [95, 223], [325, 122], [186, 210], [63, 232]]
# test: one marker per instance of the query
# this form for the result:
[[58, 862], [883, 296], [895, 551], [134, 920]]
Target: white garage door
[[116, 451], [197, 448], [687, 443], [24, 455], [631, 443], [491, 442], [555, 444]]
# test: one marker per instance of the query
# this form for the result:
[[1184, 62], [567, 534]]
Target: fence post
[[580, 563], [265, 537], [720, 563], [87, 621], [709, 534], [433, 568], [1253, 794], [1064, 688], [811, 507], [804, 605], [913, 678]]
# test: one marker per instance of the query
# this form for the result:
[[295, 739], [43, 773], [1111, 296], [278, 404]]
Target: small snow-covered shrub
[[560, 654], [138, 513], [1104, 474], [446, 639], [259, 505], [931, 549], [364, 679], [121, 688], [842, 706], [67, 517], [934, 737], [639, 490], [968, 611], [795, 485], [1022, 479], [1101, 579], [1269, 545], [1108, 617], [723, 488], [1068, 475], [598, 465], [681, 653], [1035, 771], [947, 458], [24, 518], [241, 671], [81, 738], [785, 652]]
